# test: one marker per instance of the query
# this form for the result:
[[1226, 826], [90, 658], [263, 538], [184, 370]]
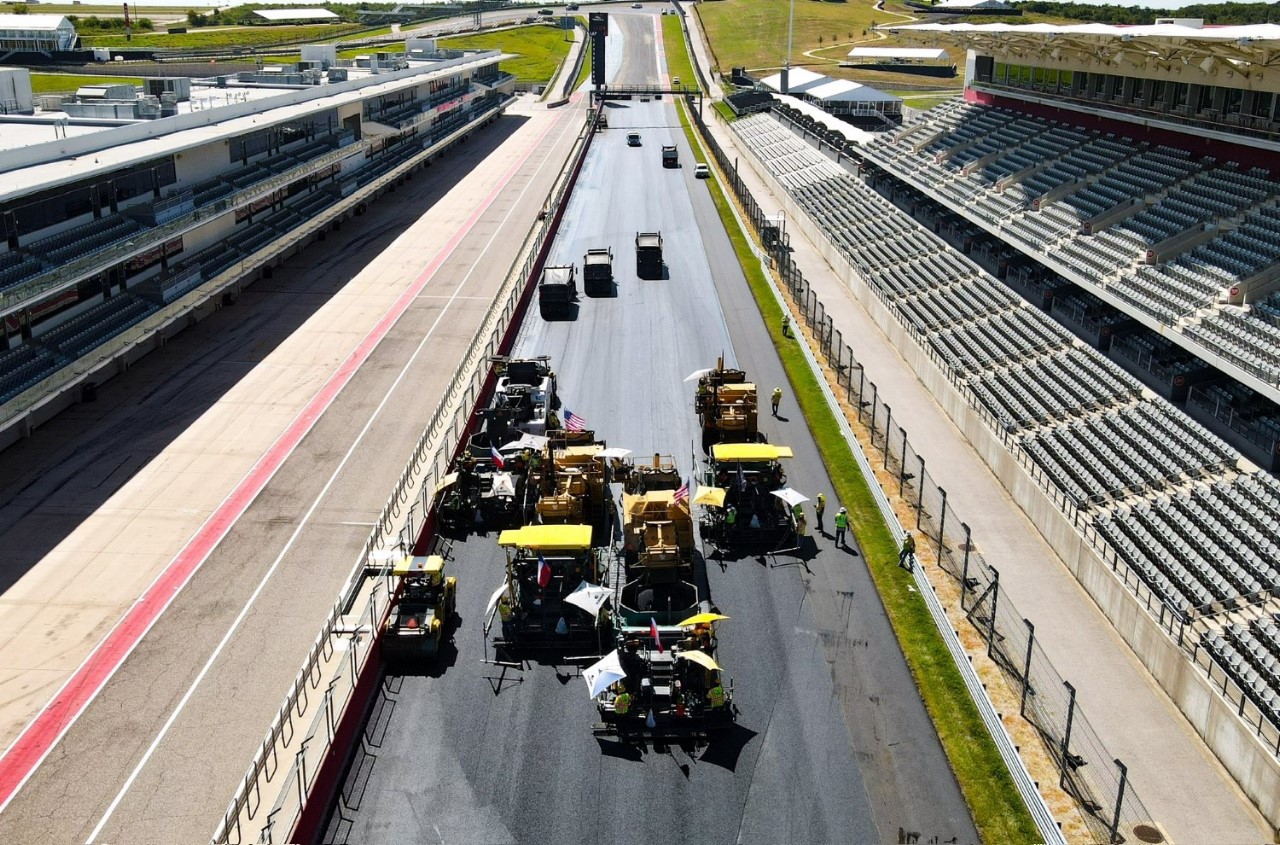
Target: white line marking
[[244, 612]]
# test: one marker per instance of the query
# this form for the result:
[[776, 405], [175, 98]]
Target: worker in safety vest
[[842, 525], [622, 704], [907, 556], [797, 510], [777, 399], [506, 614], [730, 519], [819, 508], [715, 697], [786, 325]]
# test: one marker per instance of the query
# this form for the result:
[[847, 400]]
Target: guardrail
[[397, 528], [1048, 702]]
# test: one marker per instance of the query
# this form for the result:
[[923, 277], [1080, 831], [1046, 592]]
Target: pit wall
[[1253, 765]]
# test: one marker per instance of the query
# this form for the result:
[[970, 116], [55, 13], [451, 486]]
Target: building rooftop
[[33, 22], [295, 14]]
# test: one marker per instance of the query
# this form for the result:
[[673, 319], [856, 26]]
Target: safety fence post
[[1115, 819], [964, 570], [942, 524], [1026, 667], [1066, 736], [995, 601], [920, 493], [888, 419]]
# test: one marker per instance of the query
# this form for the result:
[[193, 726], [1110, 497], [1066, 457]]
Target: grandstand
[[1102, 296], [138, 225]]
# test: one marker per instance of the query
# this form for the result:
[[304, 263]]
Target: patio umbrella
[[791, 497], [589, 597], [603, 674]]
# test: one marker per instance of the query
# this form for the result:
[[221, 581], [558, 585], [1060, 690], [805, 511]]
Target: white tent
[[799, 80], [918, 54]]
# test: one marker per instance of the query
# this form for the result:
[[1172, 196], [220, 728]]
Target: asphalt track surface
[[78, 461], [832, 744]]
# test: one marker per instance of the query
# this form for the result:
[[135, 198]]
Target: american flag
[[682, 492], [573, 422]]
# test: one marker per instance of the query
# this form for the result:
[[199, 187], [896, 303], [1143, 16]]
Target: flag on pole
[[653, 631], [573, 422], [498, 460], [544, 572], [682, 492]]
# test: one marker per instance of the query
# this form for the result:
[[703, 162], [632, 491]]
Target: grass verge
[[232, 36], [60, 83], [987, 786], [540, 48], [678, 64], [725, 112]]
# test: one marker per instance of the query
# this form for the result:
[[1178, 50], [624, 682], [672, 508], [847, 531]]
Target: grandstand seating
[[749, 102], [17, 267], [1250, 654], [1085, 424], [94, 327], [83, 240], [1043, 182], [22, 367]]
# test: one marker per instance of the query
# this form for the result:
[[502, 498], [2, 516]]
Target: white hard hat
[[842, 510]]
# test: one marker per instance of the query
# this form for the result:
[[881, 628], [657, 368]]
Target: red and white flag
[[682, 492], [544, 572], [653, 631], [498, 460]]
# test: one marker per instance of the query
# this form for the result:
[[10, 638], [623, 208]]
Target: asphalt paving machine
[[421, 611], [744, 495], [727, 407]]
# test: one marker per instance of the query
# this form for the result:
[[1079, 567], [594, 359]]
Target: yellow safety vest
[[622, 704], [715, 696], [842, 520]]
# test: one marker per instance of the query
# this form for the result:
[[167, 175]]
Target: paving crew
[[908, 553], [819, 508], [622, 703], [786, 325], [730, 517], [505, 613], [842, 525], [777, 399], [797, 510], [715, 696]]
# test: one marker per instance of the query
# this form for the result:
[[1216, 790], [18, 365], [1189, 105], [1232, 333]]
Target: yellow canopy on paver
[[749, 452], [548, 537]]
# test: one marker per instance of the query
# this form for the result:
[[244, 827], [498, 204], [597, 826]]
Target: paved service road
[[832, 744], [158, 754]]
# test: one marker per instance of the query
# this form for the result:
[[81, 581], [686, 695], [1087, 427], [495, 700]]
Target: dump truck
[[421, 611], [670, 156], [665, 690], [546, 564], [726, 404], [597, 272], [557, 290], [649, 255]]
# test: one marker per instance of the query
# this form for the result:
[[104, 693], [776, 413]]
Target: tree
[[20, 9]]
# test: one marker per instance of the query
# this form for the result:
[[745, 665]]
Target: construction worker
[[908, 553], [715, 696], [819, 508], [730, 517], [797, 510], [622, 704], [506, 614], [786, 325], [842, 525], [777, 399]]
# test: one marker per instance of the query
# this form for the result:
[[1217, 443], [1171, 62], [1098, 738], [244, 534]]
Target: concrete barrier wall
[[1254, 766]]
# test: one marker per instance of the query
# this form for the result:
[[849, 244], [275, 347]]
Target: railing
[[1097, 780], [397, 527]]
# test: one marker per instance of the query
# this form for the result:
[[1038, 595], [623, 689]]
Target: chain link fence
[[1093, 777]]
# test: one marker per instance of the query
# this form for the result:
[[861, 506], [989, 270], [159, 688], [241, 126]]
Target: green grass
[[988, 788], [541, 49], [678, 64], [236, 36], [58, 83], [725, 112]]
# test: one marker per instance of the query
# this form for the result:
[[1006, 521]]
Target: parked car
[[701, 171], [633, 139], [546, 13]]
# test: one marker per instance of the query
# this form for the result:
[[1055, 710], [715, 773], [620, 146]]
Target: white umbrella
[[493, 600], [697, 374], [603, 674], [791, 497], [613, 452], [526, 441], [589, 597]]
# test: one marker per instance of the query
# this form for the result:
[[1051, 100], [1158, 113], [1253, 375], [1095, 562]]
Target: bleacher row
[[1250, 654], [17, 266], [1165, 495], [1042, 182]]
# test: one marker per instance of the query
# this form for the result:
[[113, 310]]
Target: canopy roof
[[922, 53], [749, 452], [32, 23], [548, 537], [295, 14], [419, 565], [798, 80], [844, 91]]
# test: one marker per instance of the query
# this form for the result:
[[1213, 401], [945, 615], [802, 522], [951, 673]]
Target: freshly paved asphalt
[[832, 745]]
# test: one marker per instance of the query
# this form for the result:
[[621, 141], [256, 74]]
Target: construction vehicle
[[671, 687], [660, 473], [670, 156], [746, 505], [523, 402], [545, 565], [649, 255], [478, 495], [597, 272], [421, 611], [571, 482], [727, 407], [557, 291]]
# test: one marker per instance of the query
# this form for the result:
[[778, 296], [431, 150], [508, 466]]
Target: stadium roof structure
[[844, 91], [295, 14], [33, 23], [1255, 44], [913, 53]]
